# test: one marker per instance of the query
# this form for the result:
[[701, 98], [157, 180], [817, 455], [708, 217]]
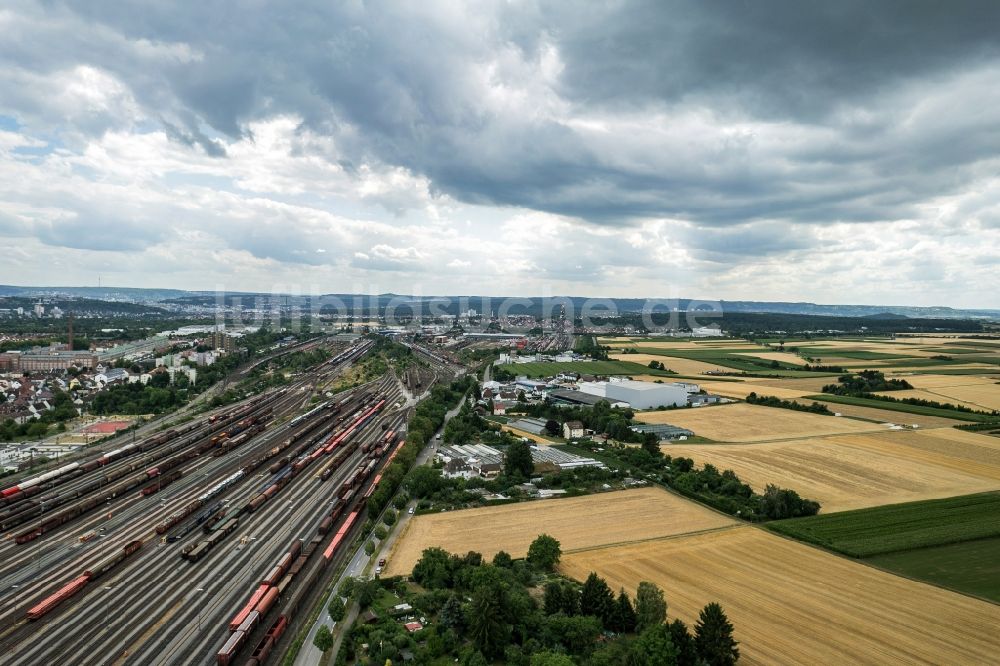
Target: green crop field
[[548, 369], [899, 527], [953, 542], [901, 407], [972, 567], [730, 358]]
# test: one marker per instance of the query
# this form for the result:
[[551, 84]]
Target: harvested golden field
[[943, 381], [743, 389], [984, 368], [793, 604], [781, 357], [577, 522], [719, 346], [809, 385], [752, 423], [666, 343], [925, 394], [979, 396], [681, 366], [854, 471]]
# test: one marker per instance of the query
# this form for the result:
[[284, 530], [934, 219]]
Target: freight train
[[105, 565]]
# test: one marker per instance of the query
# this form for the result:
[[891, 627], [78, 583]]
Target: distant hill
[[486, 304], [886, 315]]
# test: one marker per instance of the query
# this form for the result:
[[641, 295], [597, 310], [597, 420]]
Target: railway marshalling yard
[[791, 602], [114, 562]]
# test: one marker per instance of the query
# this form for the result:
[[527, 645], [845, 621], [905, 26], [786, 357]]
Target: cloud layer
[[771, 150]]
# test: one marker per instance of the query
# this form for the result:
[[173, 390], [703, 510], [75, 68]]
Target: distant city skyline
[[769, 151]]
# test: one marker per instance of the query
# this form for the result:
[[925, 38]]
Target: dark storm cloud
[[779, 58], [411, 85]]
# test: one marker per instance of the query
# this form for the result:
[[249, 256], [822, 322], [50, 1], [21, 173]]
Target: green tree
[[366, 591], [623, 616], [651, 444], [486, 619], [323, 640], [347, 587], [474, 658], [451, 615], [687, 653], [653, 648], [713, 637], [576, 634], [336, 609], [551, 659], [369, 547], [544, 552], [650, 606], [517, 462], [596, 598], [424, 481], [552, 427], [433, 570], [503, 560]]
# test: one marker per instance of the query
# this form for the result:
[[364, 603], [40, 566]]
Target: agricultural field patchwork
[[981, 396], [681, 366], [954, 542], [577, 522], [852, 471], [901, 407], [548, 369], [796, 604], [753, 423], [898, 527], [781, 357], [889, 416], [743, 389]]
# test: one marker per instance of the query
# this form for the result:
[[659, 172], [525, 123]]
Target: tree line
[[773, 401]]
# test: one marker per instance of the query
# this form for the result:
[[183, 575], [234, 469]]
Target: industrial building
[[640, 395], [574, 398], [534, 426], [663, 430]]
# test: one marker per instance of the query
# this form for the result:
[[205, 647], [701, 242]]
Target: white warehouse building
[[640, 395]]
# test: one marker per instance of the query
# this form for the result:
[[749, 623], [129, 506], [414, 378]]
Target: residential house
[[573, 429]]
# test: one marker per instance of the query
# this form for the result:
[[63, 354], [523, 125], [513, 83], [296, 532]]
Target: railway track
[[155, 607]]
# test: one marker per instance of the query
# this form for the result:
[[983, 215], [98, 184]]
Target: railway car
[[267, 601], [162, 482], [230, 648], [250, 623], [247, 609], [197, 552], [53, 600], [325, 525], [112, 561]]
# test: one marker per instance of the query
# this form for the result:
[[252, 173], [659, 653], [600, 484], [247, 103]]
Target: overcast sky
[[839, 152]]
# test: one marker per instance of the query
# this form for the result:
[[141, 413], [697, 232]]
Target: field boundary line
[[667, 537]]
